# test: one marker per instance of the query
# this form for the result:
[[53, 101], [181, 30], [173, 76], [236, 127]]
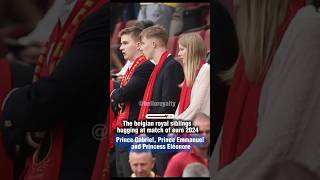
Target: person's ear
[[154, 44], [138, 45]]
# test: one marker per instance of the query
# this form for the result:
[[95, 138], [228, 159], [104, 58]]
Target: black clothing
[[75, 94], [134, 90], [166, 87]]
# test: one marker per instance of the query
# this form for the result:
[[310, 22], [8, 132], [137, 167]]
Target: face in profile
[[147, 47], [141, 163], [204, 129], [182, 54], [129, 46]]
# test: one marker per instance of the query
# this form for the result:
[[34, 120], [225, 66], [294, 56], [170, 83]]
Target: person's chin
[[145, 55]]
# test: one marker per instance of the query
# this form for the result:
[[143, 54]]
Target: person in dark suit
[[163, 92], [73, 96], [131, 90], [134, 89]]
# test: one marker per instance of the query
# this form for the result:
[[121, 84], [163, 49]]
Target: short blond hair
[[157, 32]]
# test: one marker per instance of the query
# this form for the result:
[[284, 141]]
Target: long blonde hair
[[257, 24], [196, 51]]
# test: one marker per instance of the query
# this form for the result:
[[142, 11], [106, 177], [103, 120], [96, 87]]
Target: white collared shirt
[[125, 68]]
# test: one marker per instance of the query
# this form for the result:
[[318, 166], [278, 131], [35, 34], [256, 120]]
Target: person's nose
[[139, 169], [121, 48]]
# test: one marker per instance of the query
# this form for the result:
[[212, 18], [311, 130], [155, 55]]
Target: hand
[[31, 53], [34, 138], [119, 78], [114, 107], [122, 107]]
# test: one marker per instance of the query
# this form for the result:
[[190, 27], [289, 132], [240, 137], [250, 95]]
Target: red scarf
[[6, 164], [240, 124], [185, 94], [125, 114], [60, 42], [145, 107]]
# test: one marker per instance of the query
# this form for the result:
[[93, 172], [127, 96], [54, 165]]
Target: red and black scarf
[[125, 114], [58, 44], [240, 124], [145, 106]]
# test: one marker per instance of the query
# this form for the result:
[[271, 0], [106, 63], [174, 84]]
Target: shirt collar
[[152, 174]]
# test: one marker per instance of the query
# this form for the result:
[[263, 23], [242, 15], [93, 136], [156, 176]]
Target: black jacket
[[134, 90], [166, 88], [75, 94], [21, 74]]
